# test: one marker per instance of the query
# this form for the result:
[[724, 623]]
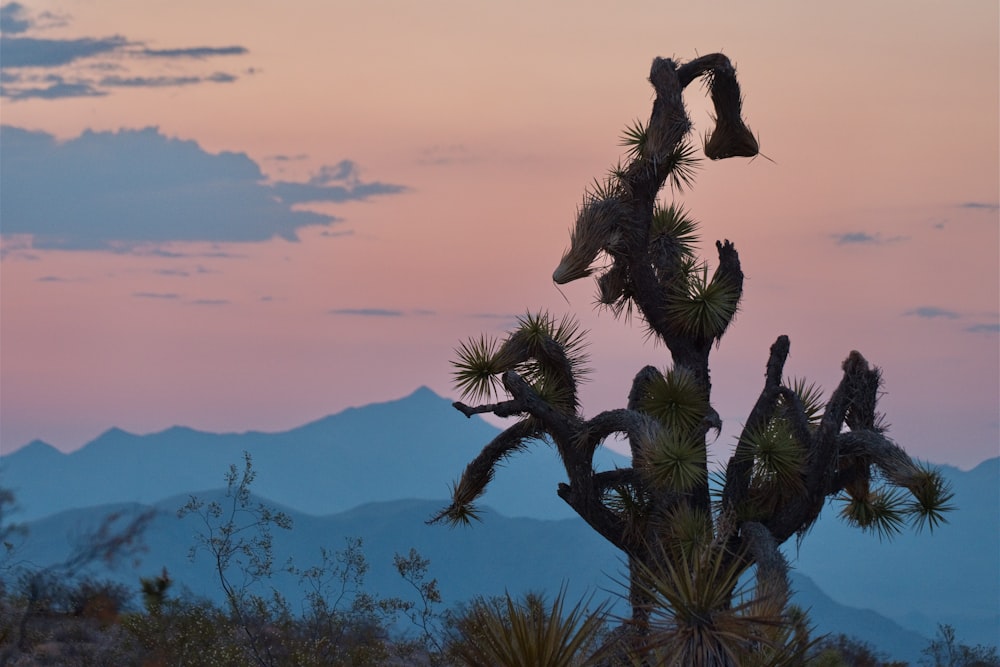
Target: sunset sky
[[248, 215]]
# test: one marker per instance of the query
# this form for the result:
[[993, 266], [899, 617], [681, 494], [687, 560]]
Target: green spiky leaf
[[539, 328], [476, 374], [608, 189], [528, 632], [811, 396], [686, 529], [702, 307], [777, 458], [675, 463], [880, 512], [683, 163], [677, 400], [461, 515], [634, 139], [702, 613], [676, 223], [550, 355], [932, 498]]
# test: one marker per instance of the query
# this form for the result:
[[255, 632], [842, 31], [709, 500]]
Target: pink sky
[[874, 228]]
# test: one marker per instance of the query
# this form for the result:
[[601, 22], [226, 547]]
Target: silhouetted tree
[[946, 651], [686, 544]]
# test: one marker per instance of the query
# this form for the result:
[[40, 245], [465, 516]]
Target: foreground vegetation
[[59, 615], [94, 623]]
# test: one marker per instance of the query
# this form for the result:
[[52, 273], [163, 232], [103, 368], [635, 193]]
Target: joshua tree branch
[[772, 568], [501, 409], [871, 447], [636, 425], [479, 473], [853, 396], [588, 505], [741, 463]]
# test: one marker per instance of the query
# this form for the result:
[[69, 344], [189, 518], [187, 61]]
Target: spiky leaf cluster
[[685, 530], [549, 354], [810, 397], [674, 224], [682, 164], [676, 399], [476, 372], [880, 511], [527, 632], [699, 306], [632, 503], [702, 615], [462, 511], [634, 139], [554, 357], [673, 461], [884, 506], [932, 498], [776, 456]]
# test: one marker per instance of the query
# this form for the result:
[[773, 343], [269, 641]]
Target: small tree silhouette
[[687, 541]]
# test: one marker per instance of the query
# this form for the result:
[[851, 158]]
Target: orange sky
[[875, 227]]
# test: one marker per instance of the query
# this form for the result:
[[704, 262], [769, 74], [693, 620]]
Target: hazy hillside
[[414, 447], [501, 554], [919, 579]]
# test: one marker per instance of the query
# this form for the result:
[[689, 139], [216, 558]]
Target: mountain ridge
[[410, 447], [416, 446], [488, 559]]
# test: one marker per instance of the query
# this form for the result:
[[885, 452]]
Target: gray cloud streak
[[932, 312], [22, 55], [367, 312]]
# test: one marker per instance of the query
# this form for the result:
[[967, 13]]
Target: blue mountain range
[[378, 472]]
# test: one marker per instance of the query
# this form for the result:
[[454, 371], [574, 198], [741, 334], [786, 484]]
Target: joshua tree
[[669, 516]]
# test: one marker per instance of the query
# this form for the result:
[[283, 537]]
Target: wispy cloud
[[864, 238], [932, 312], [37, 67], [367, 312], [976, 204], [196, 52], [334, 183], [163, 81], [211, 302], [382, 312], [287, 158], [50, 88], [156, 295], [17, 52], [135, 190]]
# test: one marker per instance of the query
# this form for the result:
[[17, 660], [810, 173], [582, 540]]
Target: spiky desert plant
[[796, 448], [528, 632]]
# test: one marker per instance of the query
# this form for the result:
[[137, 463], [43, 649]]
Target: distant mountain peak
[[176, 431], [113, 432], [37, 448], [423, 391]]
